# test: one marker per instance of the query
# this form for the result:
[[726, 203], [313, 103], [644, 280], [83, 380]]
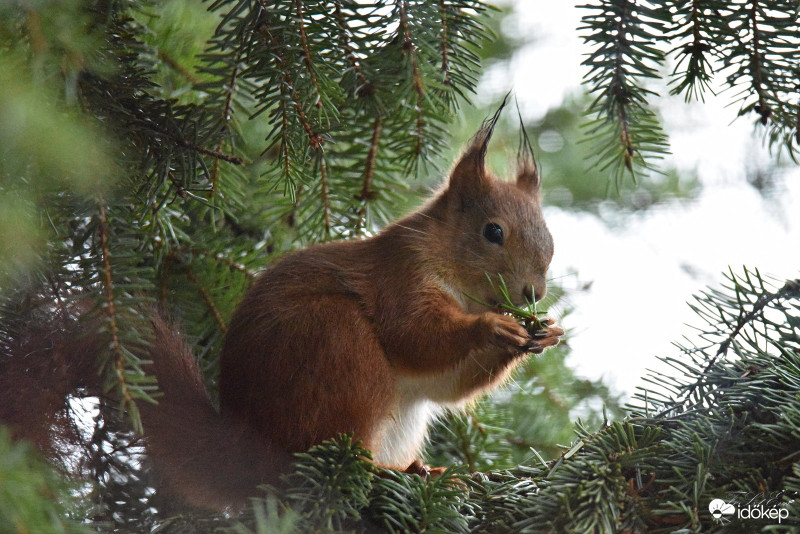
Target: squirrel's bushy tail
[[204, 459], [200, 458]]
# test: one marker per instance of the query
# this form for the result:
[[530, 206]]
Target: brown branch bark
[[212, 308], [419, 89], [110, 308]]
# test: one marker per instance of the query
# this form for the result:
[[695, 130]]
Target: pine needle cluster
[[748, 49]]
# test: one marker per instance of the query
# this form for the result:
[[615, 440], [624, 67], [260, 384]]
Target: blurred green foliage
[[32, 495], [45, 148]]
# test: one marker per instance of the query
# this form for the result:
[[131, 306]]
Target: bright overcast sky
[[643, 273]]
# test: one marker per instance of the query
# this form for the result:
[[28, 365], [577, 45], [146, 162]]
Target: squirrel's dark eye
[[494, 233]]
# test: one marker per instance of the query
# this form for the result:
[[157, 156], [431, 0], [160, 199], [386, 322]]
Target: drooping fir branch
[[624, 129], [325, 195], [410, 52], [232, 264], [756, 63], [445, 44], [362, 86], [760, 52], [225, 118], [110, 307], [214, 153], [366, 194], [753, 42], [117, 277], [693, 25], [388, 66], [307, 61], [460, 62]]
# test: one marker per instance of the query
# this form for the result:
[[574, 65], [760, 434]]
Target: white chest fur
[[419, 402], [405, 432]]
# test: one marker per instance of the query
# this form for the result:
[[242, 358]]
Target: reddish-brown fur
[[323, 340], [370, 337]]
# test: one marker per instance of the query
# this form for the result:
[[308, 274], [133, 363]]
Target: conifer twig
[[363, 87], [175, 65], [226, 117], [207, 299], [230, 158], [762, 108], [369, 171], [150, 125], [445, 44], [314, 139], [232, 264], [306, 51], [790, 289], [410, 49], [110, 308], [326, 200], [366, 193], [620, 94]]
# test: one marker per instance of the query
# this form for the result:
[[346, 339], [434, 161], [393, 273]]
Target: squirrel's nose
[[529, 294]]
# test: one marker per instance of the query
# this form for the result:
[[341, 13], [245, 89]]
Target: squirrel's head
[[494, 227]]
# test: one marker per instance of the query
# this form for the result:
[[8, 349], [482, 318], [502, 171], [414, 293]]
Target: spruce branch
[[445, 44], [214, 153], [410, 51], [225, 117], [367, 194], [363, 87], [129, 380], [314, 139], [178, 67], [625, 130], [694, 24], [150, 124], [797, 125], [756, 62], [307, 61], [110, 306], [758, 47], [372, 154], [325, 194], [218, 256], [790, 290]]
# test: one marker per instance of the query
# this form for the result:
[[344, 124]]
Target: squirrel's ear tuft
[[470, 170], [528, 178]]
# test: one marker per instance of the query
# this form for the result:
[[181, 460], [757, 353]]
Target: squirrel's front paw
[[504, 332], [546, 337]]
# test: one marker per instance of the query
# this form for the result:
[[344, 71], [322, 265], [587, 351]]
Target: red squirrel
[[376, 336], [372, 337]]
